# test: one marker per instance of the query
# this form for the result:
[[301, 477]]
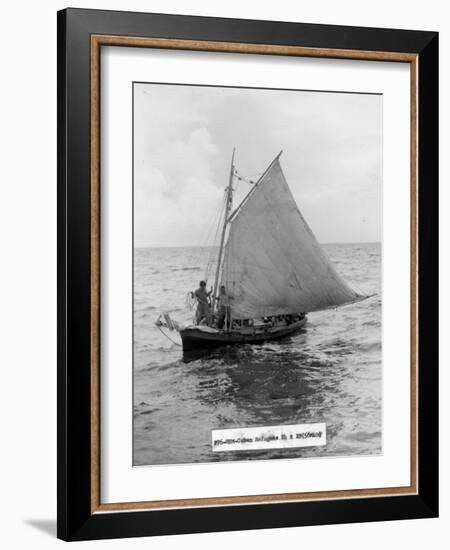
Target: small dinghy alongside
[[271, 268]]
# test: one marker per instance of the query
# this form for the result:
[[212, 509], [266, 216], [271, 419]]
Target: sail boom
[[271, 310]]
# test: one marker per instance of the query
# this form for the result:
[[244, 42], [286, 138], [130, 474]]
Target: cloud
[[184, 136], [174, 188]]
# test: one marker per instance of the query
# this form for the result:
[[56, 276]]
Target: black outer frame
[[75, 521]]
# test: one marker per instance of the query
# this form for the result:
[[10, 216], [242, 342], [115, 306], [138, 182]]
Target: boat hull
[[196, 339]]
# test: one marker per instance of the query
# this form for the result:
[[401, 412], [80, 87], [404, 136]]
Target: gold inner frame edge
[[97, 41]]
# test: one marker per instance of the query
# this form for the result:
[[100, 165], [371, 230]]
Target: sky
[[184, 137]]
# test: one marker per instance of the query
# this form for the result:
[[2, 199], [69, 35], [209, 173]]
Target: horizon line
[[216, 246]]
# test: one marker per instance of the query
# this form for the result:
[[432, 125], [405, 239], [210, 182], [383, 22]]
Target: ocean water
[[329, 372]]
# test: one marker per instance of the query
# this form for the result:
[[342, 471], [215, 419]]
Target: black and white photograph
[[257, 274], [222, 254]]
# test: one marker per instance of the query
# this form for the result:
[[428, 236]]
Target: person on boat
[[224, 307], [203, 309]]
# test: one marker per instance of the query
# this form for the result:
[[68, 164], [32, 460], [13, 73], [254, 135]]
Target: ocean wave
[[196, 268], [330, 372]]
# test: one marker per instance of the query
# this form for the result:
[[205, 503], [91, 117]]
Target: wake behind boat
[[270, 271]]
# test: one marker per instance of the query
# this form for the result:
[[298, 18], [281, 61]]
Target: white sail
[[273, 263]]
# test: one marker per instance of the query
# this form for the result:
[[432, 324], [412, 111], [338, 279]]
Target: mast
[[228, 205]]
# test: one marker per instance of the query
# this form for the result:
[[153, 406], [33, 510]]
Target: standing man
[[203, 309], [224, 307]]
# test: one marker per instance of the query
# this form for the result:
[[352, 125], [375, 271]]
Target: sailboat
[[271, 267]]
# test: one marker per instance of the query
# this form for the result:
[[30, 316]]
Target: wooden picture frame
[[81, 35]]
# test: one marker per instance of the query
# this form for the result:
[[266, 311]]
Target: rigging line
[[246, 178], [207, 231], [199, 253], [243, 201], [212, 252], [255, 186], [249, 175], [167, 336]]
